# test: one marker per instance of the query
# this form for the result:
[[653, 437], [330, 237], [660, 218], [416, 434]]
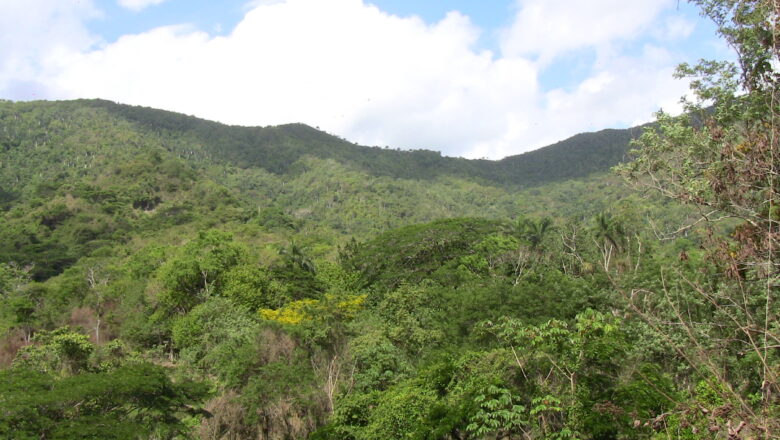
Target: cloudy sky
[[472, 78]]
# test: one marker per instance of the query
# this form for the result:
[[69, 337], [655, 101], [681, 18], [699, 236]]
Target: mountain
[[275, 149], [189, 279], [79, 176], [166, 277]]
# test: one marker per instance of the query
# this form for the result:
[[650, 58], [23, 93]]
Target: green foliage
[[721, 157], [493, 254], [411, 318], [298, 283], [209, 335], [146, 261], [213, 249], [276, 149], [252, 287], [400, 413], [413, 253], [274, 217], [16, 306], [198, 270], [569, 372], [134, 401], [378, 362], [350, 417], [498, 412], [58, 351], [284, 390], [294, 256]]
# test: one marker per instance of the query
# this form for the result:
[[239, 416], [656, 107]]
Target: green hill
[[78, 176], [244, 282], [166, 277], [275, 149]]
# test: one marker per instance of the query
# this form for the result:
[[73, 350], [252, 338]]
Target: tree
[[533, 231], [400, 412], [133, 401], [97, 297], [251, 286], [199, 270], [58, 351], [498, 412], [531, 234], [12, 278], [568, 374], [295, 256], [722, 158], [211, 333], [17, 307], [610, 231], [722, 155]]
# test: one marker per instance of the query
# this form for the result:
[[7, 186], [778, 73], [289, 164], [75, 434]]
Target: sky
[[469, 78]]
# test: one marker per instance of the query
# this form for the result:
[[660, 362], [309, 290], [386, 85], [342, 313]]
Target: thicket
[[151, 289]]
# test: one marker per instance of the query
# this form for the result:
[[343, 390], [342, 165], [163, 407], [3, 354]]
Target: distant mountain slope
[[80, 177], [573, 158], [276, 149]]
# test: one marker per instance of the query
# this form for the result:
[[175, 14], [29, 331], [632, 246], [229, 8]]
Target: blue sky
[[469, 78], [219, 17]]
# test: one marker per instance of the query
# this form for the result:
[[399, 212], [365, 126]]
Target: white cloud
[[137, 5], [374, 78], [676, 28], [341, 65], [626, 90], [548, 28], [252, 4], [33, 30]]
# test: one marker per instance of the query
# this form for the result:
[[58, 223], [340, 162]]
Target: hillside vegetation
[[76, 177], [165, 277], [276, 149]]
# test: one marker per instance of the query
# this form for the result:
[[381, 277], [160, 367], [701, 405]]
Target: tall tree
[[610, 232], [722, 158], [295, 256], [533, 231]]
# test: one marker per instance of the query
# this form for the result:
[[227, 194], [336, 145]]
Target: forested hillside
[[76, 177], [167, 277], [276, 149]]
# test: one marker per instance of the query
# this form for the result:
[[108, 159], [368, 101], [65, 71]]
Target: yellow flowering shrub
[[293, 313]]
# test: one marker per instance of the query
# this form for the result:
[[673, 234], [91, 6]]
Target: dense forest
[[167, 277]]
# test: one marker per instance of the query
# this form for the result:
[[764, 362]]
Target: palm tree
[[295, 256], [611, 233], [609, 229], [533, 231]]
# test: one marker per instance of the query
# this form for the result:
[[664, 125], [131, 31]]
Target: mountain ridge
[[276, 148], [76, 176]]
